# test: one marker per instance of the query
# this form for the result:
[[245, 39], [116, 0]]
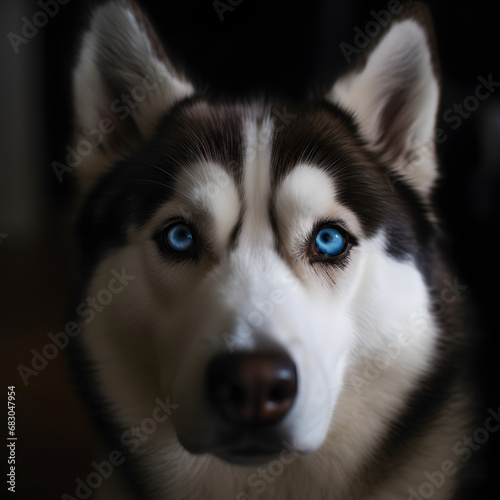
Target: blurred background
[[240, 45]]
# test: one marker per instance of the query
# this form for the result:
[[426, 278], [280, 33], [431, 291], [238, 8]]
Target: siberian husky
[[266, 310]]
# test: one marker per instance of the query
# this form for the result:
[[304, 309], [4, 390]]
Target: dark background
[[280, 45]]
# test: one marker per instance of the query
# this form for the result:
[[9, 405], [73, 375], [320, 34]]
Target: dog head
[[255, 254]]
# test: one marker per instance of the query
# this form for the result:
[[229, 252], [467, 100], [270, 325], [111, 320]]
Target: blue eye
[[330, 241], [180, 238]]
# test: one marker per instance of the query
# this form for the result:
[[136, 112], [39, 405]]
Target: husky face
[[271, 248]]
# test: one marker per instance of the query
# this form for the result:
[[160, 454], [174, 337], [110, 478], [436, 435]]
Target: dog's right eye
[[179, 238], [329, 243]]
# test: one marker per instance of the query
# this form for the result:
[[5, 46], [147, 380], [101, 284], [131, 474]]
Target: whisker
[[166, 172]]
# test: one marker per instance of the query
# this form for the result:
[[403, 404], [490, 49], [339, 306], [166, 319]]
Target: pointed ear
[[123, 83], [393, 93]]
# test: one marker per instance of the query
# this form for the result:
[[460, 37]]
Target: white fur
[[400, 62], [328, 332], [156, 337], [257, 184], [115, 29]]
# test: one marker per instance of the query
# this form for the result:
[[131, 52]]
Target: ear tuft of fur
[[394, 97], [123, 83]]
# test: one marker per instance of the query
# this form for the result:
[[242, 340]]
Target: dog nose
[[252, 389]]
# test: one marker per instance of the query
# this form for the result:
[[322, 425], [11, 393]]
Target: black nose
[[252, 389]]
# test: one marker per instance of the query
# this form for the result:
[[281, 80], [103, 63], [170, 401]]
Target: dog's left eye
[[330, 241], [179, 238]]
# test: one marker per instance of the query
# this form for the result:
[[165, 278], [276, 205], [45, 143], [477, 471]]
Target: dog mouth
[[249, 454], [253, 448]]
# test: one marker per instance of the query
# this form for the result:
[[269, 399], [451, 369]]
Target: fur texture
[[382, 396]]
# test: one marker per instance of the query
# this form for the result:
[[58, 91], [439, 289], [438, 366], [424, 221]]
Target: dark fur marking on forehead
[[196, 130], [134, 188], [324, 136], [321, 135]]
